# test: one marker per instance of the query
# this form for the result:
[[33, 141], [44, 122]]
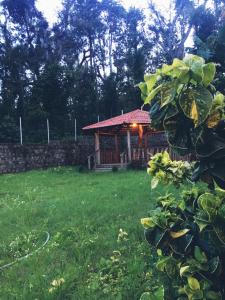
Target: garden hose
[[27, 255]]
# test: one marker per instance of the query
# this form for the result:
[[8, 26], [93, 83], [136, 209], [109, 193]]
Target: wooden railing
[[146, 154], [137, 154]]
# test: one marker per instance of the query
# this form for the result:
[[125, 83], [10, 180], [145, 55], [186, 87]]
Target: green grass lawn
[[83, 212]]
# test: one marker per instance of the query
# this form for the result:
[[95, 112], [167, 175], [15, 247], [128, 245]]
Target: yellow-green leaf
[[147, 223], [178, 234], [194, 113], [200, 255], [178, 63], [153, 93], [166, 69], [184, 270], [154, 183], [209, 71], [150, 80], [219, 99], [193, 283], [191, 59]]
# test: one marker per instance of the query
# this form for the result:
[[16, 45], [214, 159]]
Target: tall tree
[[24, 34], [170, 31], [209, 37]]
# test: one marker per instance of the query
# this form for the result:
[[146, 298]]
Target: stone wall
[[16, 158]]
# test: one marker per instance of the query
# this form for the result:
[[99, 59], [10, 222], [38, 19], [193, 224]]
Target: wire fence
[[36, 129], [46, 131]]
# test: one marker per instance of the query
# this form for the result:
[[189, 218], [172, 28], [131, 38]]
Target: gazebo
[[128, 143]]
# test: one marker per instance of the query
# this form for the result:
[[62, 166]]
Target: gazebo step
[[109, 167]]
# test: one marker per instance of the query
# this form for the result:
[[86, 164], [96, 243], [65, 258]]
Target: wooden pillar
[[128, 145], [117, 147], [97, 148], [146, 145]]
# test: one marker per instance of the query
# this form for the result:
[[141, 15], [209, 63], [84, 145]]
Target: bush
[[81, 169], [114, 169], [136, 165], [188, 232]]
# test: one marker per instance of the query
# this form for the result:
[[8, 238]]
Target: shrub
[[114, 169], [136, 165], [188, 231], [81, 169]]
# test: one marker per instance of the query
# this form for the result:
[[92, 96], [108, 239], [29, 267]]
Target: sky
[[50, 7]]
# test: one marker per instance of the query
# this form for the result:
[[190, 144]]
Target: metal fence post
[[21, 132], [48, 131], [75, 130]]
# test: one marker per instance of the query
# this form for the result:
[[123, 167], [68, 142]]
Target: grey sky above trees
[[50, 8]]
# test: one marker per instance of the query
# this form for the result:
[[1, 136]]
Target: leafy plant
[[161, 167], [185, 104], [190, 237], [188, 231]]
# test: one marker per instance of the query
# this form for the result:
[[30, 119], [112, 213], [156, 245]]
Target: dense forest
[[89, 63]]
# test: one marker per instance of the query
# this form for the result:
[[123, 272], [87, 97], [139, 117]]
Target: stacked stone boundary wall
[[19, 158]]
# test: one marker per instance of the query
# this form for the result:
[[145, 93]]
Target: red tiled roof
[[137, 116]]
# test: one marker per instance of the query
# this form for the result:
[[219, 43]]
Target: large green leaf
[[156, 295], [191, 59], [166, 69], [177, 63], [168, 93], [153, 93], [210, 150], [144, 91], [196, 65], [210, 146], [150, 80], [219, 230], [209, 201], [211, 295], [209, 71], [196, 103], [157, 114], [214, 265], [218, 173], [180, 70], [202, 219], [199, 255], [177, 128], [209, 243]]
